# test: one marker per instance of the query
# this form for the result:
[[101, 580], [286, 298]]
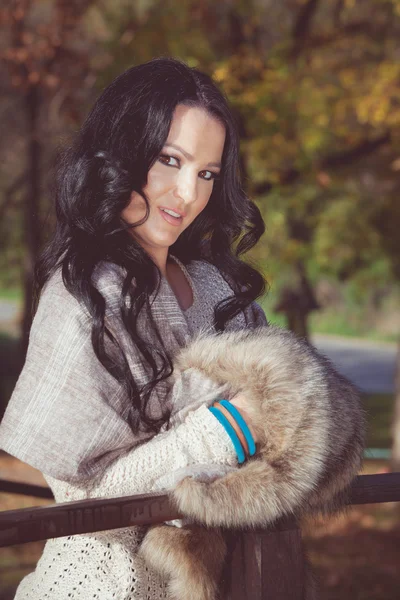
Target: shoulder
[[60, 319], [210, 284], [105, 275], [211, 277], [107, 278], [57, 305], [208, 274], [216, 286]]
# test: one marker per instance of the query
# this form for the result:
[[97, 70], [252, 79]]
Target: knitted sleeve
[[200, 440]]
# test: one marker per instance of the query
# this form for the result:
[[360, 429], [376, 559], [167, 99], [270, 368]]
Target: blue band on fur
[[230, 431], [242, 424]]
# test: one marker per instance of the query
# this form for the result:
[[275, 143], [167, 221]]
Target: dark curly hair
[[109, 158]]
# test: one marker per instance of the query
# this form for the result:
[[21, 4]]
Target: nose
[[186, 187]]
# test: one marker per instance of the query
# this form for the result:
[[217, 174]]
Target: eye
[[211, 175], [164, 158]]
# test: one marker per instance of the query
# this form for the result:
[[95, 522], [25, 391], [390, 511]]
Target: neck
[[166, 268], [161, 260]]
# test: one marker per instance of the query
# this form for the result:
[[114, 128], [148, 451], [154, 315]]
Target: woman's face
[[181, 180]]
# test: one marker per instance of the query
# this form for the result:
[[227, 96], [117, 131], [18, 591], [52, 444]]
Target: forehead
[[197, 132]]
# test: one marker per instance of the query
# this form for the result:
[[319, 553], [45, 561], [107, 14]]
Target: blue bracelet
[[242, 424], [230, 431]]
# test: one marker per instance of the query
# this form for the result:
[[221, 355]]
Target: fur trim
[[310, 428], [191, 558]]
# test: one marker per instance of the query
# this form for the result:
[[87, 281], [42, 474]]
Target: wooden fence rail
[[262, 564], [26, 489]]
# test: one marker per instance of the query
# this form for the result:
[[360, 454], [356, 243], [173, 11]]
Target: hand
[[206, 473], [240, 402]]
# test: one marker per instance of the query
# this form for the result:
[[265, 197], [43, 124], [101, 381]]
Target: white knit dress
[[105, 565]]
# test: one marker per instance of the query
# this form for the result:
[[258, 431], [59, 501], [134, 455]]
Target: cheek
[[159, 180], [135, 209]]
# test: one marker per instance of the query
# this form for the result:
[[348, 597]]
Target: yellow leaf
[[220, 73]]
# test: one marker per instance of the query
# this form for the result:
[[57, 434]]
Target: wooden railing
[[262, 564]]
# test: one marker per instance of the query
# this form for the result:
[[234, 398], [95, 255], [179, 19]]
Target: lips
[[178, 212], [170, 219]]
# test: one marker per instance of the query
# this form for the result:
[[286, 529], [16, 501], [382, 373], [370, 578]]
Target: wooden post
[[265, 564]]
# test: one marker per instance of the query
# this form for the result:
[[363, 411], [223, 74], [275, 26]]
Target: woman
[[149, 204]]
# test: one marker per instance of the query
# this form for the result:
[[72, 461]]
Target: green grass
[[347, 325], [331, 322], [14, 295], [335, 323]]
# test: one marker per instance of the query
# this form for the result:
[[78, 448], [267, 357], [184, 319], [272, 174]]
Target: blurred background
[[315, 87]]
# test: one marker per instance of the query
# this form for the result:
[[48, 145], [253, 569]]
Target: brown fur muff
[[310, 428]]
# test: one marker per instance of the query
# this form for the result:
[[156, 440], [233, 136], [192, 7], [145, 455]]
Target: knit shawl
[[68, 417]]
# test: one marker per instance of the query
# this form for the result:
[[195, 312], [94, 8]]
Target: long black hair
[[109, 158]]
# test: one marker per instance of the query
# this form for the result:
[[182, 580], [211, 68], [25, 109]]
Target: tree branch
[[302, 25], [337, 13], [366, 28], [365, 147], [330, 161]]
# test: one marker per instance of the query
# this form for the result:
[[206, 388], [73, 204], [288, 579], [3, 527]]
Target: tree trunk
[[297, 301], [297, 322], [395, 461], [31, 227]]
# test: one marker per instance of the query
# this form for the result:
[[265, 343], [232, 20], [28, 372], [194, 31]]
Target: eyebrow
[[190, 157]]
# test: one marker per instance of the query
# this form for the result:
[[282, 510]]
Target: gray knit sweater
[[68, 418]]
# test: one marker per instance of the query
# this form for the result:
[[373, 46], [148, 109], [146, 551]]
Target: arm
[[168, 457], [67, 415], [199, 446]]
